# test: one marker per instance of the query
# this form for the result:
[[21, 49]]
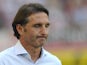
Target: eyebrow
[[40, 24]]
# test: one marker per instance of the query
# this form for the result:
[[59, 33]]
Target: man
[[30, 26]]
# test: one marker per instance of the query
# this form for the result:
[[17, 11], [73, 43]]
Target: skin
[[34, 34]]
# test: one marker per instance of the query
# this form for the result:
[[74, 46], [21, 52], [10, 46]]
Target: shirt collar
[[43, 52], [20, 50]]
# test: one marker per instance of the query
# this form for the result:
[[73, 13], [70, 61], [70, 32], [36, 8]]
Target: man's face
[[36, 30]]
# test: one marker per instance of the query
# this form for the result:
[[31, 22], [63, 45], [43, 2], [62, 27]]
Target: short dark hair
[[25, 11]]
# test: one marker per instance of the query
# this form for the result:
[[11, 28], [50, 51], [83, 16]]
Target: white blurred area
[[68, 18]]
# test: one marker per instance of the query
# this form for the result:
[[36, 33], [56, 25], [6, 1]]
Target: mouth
[[42, 37]]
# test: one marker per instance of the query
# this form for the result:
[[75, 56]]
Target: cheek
[[32, 36], [34, 33]]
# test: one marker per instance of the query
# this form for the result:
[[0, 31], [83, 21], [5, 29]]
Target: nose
[[44, 31]]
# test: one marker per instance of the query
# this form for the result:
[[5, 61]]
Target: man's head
[[31, 24], [24, 12]]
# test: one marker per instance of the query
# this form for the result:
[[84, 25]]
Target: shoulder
[[5, 53], [53, 58]]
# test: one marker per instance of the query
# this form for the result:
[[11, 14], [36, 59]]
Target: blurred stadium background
[[68, 34]]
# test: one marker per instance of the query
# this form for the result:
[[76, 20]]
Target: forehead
[[39, 17], [39, 14]]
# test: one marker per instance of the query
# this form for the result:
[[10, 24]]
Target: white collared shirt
[[17, 55]]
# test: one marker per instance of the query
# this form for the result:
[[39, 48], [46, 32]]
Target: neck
[[35, 53]]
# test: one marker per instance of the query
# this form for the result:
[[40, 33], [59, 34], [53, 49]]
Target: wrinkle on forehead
[[38, 15]]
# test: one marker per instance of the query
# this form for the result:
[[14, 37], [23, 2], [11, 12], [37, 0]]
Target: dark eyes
[[47, 25], [40, 25], [37, 25]]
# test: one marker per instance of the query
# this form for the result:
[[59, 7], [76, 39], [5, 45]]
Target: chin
[[38, 45]]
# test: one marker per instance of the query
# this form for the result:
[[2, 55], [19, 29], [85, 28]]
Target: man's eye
[[47, 25], [37, 25]]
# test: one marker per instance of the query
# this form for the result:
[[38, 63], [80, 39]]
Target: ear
[[20, 29]]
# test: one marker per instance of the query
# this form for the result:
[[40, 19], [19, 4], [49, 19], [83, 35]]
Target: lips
[[43, 37]]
